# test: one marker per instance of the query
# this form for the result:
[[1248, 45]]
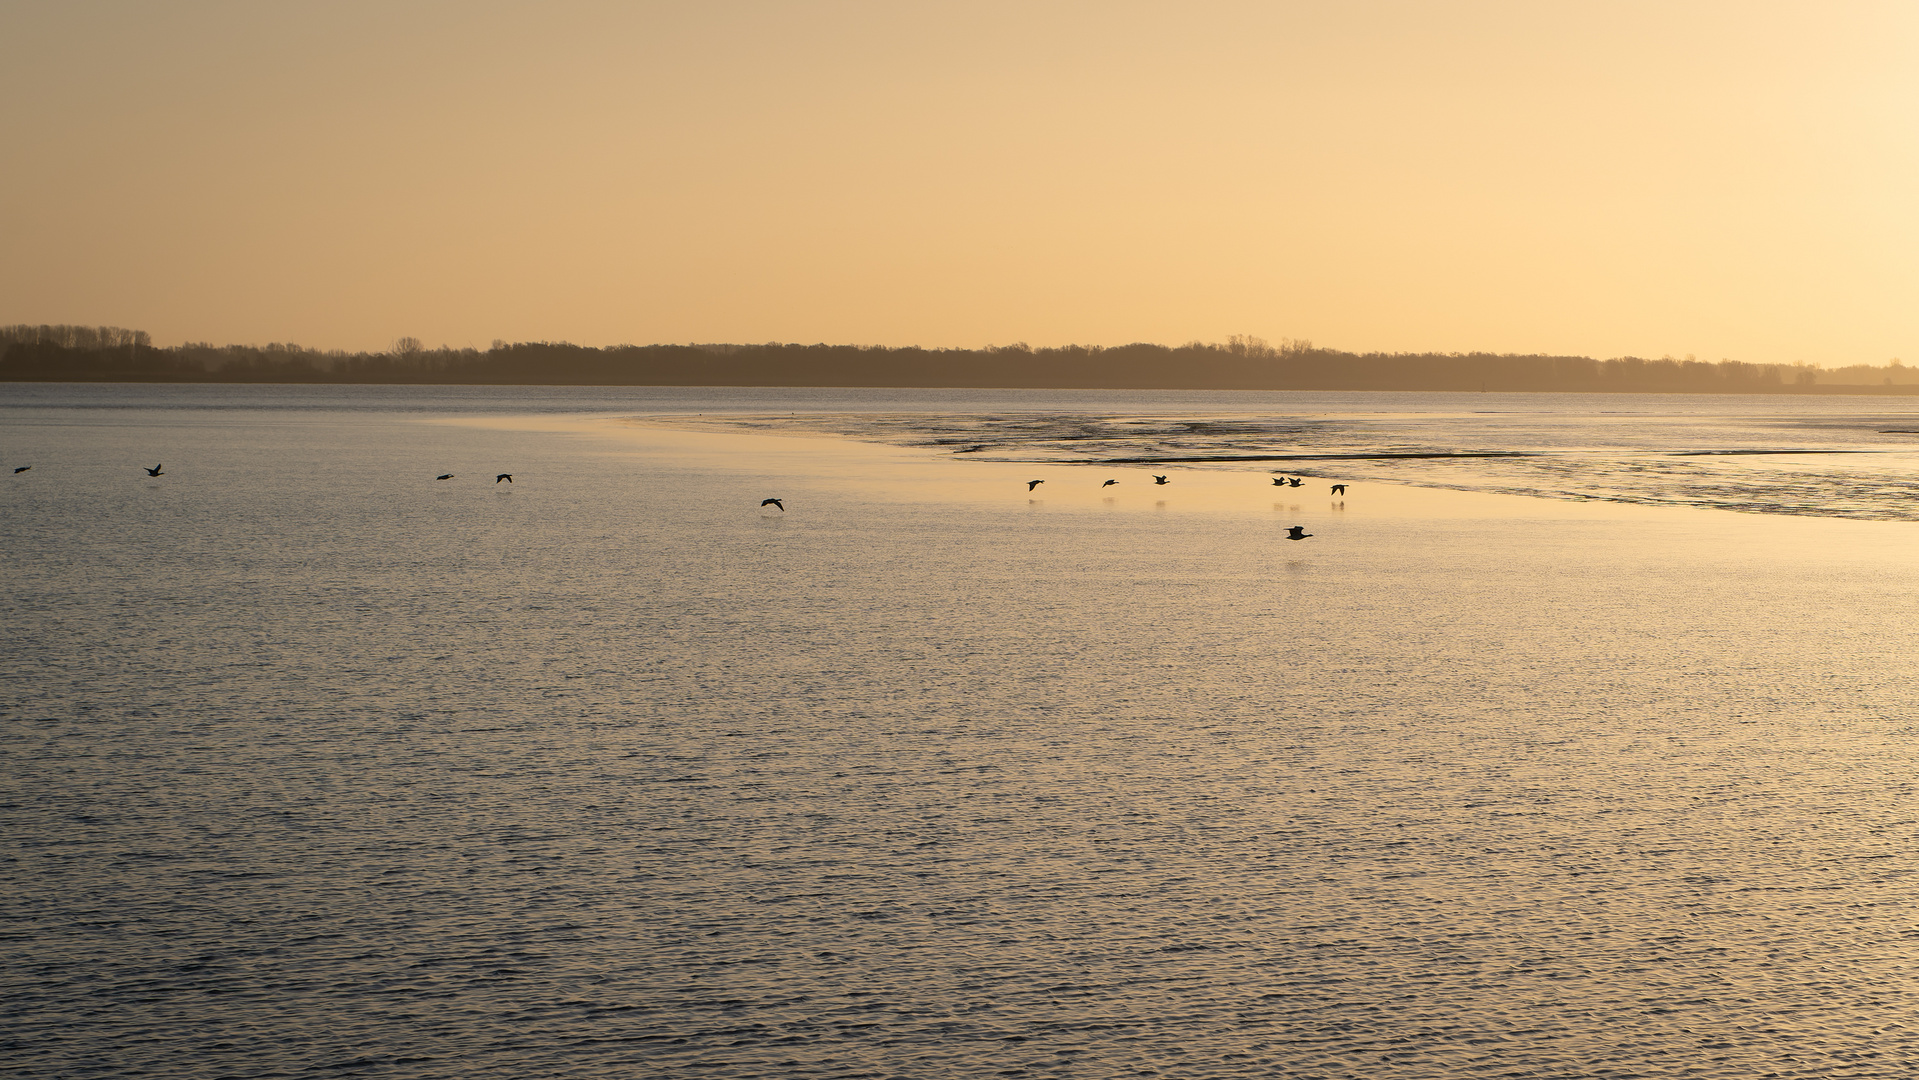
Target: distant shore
[[109, 354]]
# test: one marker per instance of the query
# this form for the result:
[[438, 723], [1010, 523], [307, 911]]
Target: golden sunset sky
[[1735, 180]]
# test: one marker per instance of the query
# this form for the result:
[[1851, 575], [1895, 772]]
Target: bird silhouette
[[449, 476], [155, 471], [1109, 483], [1031, 484], [1339, 489], [1279, 481], [1294, 481], [21, 469], [774, 502], [1297, 532], [506, 476], [1159, 479]]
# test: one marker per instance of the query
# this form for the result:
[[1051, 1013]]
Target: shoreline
[[1842, 390]]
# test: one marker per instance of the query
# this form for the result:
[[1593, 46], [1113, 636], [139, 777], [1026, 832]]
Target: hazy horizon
[[408, 344], [1722, 180], [113, 354]]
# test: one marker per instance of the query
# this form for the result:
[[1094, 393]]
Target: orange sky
[[1723, 179]]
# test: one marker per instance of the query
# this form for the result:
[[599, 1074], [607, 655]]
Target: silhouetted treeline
[[108, 354]]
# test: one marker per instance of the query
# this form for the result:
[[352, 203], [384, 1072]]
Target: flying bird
[[449, 476], [1297, 532], [1294, 481], [1279, 481], [1339, 489], [1159, 479], [1109, 483], [155, 471], [1031, 484], [506, 476], [21, 469], [774, 502]]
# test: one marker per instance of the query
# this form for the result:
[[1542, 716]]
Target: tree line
[[111, 354]]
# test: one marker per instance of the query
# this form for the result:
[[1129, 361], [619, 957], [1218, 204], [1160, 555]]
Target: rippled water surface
[[311, 764]]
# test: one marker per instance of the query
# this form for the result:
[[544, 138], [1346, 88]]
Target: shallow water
[[1832, 457], [314, 763]]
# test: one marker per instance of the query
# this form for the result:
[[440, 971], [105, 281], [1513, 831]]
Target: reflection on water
[[313, 763]]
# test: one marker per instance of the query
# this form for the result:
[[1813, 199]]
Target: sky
[[1726, 180]]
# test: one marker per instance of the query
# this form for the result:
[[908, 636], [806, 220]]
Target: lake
[[1593, 761]]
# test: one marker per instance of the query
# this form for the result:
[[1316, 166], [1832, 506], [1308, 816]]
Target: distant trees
[[1243, 362], [1895, 373], [91, 338], [60, 353]]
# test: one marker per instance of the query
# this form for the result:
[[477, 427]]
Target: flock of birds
[[155, 471], [1295, 532]]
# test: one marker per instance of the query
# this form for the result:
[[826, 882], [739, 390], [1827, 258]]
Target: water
[[314, 764], [1829, 457]]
